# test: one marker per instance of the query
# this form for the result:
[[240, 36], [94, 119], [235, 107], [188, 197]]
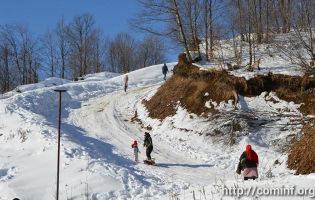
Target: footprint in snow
[[7, 174]]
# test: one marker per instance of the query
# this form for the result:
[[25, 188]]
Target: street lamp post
[[59, 124]]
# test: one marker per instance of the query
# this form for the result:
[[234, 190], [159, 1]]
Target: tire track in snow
[[111, 125], [104, 126]]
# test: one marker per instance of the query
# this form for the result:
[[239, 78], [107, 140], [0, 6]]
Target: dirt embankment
[[302, 152], [192, 88]]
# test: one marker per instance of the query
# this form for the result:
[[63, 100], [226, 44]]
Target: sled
[[149, 162]]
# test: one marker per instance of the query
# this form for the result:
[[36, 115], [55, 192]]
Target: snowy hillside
[[28, 128], [271, 58], [100, 122]]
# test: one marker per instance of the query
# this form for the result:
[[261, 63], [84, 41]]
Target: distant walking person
[[126, 82], [148, 144], [135, 150], [248, 162], [164, 70]]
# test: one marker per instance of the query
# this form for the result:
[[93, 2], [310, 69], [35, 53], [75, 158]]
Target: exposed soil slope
[[302, 153], [190, 86]]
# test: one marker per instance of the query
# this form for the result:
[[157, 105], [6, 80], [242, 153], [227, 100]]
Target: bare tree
[[5, 65], [307, 8], [62, 46], [239, 4], [285, 11], [268, 14], [122, 51], [191, 21], [169, 13], [236, 42], [300, 48], [249, 30], [151, 51], [212, 11], [8, 32], [49, 52], [79, 34], [258, 20], [98, 50], [21, 53], [28, 55]]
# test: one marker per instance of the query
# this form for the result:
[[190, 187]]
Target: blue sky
[[111, 15]]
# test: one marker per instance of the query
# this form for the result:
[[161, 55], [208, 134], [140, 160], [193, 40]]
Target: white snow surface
[[271, 58], [97, 133]]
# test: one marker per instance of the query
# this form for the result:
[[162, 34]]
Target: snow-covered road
[[108, 119]]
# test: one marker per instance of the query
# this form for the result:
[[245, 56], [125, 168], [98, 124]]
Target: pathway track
[[108, 119]]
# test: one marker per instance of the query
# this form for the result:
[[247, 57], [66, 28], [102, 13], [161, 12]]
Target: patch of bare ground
[[135, 119], [302, 152], [183, 91]]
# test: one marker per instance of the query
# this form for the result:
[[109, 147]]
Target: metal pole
[[59, 127]]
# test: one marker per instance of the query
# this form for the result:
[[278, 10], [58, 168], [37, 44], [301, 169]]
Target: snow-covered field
[[97, 133]]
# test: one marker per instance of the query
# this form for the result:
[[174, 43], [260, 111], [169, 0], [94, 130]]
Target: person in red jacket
[[135, 150], [248, 163]]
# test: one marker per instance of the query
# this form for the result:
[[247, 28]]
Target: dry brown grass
[[302, 153], [190, 94]]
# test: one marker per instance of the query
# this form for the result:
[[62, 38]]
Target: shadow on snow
[[100, 150], [167, 165]]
